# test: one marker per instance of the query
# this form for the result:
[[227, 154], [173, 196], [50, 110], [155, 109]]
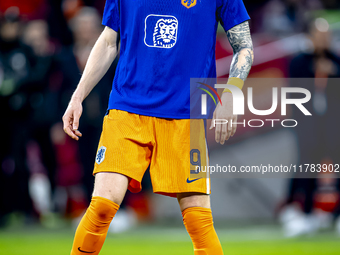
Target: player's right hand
[[71, 119]]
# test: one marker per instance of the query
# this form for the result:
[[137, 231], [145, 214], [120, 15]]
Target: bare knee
[[111, 186], [187, 200]]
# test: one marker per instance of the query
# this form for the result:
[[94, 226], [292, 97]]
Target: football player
[[162, 45]]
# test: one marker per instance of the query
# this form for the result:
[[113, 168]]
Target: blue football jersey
[[164, 43]]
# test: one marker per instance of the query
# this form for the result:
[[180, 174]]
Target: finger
[[76, 117], [66, 121], [213, 121], [224, 133], [218, 132], [65, 118], [69, 131], [77, 133], [212, 124], [229, 128], [234, 127]]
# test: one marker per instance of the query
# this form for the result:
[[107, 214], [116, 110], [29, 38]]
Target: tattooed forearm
[[240, 40]]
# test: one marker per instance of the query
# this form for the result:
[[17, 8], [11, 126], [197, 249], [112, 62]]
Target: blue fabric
[[163, 45], [111, 14]]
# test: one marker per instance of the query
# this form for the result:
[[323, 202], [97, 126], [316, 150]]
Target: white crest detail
[[100, 155], [163, 32]]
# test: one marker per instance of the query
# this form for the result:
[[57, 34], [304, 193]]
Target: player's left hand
[[224, 112]]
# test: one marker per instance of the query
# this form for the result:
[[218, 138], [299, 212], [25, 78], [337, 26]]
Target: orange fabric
[[93, 227], [200, 226], [173, 148]]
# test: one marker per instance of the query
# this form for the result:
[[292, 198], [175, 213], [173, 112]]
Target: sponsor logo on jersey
[[100, 155], [161, 31], [189, 3]]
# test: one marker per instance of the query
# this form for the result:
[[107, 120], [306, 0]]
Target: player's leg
[[173, 172], [198, 221], [123, 155], [108, 194]]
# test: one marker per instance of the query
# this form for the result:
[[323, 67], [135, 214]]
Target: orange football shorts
[[173, 148]]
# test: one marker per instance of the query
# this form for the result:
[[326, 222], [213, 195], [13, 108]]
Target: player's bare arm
[[101, 57], [241, 42]]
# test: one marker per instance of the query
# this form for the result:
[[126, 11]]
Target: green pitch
[[166, 241]]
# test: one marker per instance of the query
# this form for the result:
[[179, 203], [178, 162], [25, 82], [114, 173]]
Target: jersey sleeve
[[232, 13], [111, 14]]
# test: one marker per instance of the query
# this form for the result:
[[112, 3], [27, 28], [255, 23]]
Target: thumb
[[212, 122]]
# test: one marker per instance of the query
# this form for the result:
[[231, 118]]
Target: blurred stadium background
[[45, 177]]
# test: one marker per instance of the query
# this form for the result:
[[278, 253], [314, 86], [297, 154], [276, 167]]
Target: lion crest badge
[[161, 31], [189, 3]]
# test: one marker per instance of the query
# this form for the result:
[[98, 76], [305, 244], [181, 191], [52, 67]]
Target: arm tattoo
[[240, 40]]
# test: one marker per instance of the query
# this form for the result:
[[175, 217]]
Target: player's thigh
[[112, 186], [187, 200]]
